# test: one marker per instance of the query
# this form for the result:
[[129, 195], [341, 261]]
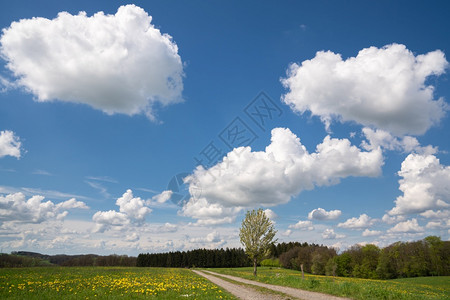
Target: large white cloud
[[9, 144], [105, 219], [116, 63], [409, 226], [132, 210], [425, 185], [209, 213], [16, 208], [302, 225], [363, 221], [322, 214], [385, 140], [329, 234], [271, 177], [133, 207], [382, 87]]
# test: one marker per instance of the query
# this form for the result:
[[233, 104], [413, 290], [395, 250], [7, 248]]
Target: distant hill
[[31, 254]]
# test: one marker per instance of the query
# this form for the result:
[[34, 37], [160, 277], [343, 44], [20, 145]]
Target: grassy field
[[106, 283], [160, 283], [409, 288]]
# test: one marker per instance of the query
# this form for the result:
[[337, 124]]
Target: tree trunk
[[254, 267], [303, 274], [334, 271]]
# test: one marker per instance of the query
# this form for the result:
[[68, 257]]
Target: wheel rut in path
[[240, 291], [293, 292]]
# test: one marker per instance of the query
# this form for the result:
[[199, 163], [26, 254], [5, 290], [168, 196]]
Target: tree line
[[202, 258], [33, 259], [427, 257]]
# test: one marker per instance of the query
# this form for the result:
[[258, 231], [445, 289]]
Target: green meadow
[[106, 283], [355, 288], [171, 283]]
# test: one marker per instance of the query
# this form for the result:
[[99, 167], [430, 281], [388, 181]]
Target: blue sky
[[99, 112]]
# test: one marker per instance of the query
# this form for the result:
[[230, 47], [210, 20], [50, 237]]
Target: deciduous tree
[[257, 234]]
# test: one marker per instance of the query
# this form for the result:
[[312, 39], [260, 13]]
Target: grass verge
[[254, 287], [412, 288]]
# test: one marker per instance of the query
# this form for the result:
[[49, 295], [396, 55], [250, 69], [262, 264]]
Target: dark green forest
[[201, 258]]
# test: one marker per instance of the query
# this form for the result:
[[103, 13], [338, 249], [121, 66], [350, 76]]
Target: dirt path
[[293, 292], [240, 291]]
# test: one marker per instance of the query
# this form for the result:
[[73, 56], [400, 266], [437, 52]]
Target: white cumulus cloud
[[439, 214], [368, 232], [211, 240], [425, 185], [329, 234], [392, 219], [167, 227], [133, 207], [363, 221], [110, 217], [408, 226], [132, 210], [71, 204], [438, 225], [302, 225], [380, 138], [15, 207], [213, 237], [287, 232], [322, 214], [134, 237], [381, 87], [163, 197], [115, 63], [248, 178], [209, 213], [9, 144], [270, 214]]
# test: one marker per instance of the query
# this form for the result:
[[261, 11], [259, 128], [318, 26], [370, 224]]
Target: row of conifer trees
[[203, 258]]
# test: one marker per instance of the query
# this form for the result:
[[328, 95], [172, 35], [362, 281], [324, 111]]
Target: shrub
[[271, 262]]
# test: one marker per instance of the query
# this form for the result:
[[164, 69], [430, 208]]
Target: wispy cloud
[[102, 178], [148, 190], [51, 194], [41, 172], [101, 189]]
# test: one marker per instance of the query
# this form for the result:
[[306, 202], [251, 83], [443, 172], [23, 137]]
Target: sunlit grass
[[356, 288], [106, 283]]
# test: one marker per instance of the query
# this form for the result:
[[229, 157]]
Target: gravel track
[[293, 292], [240, 291]]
